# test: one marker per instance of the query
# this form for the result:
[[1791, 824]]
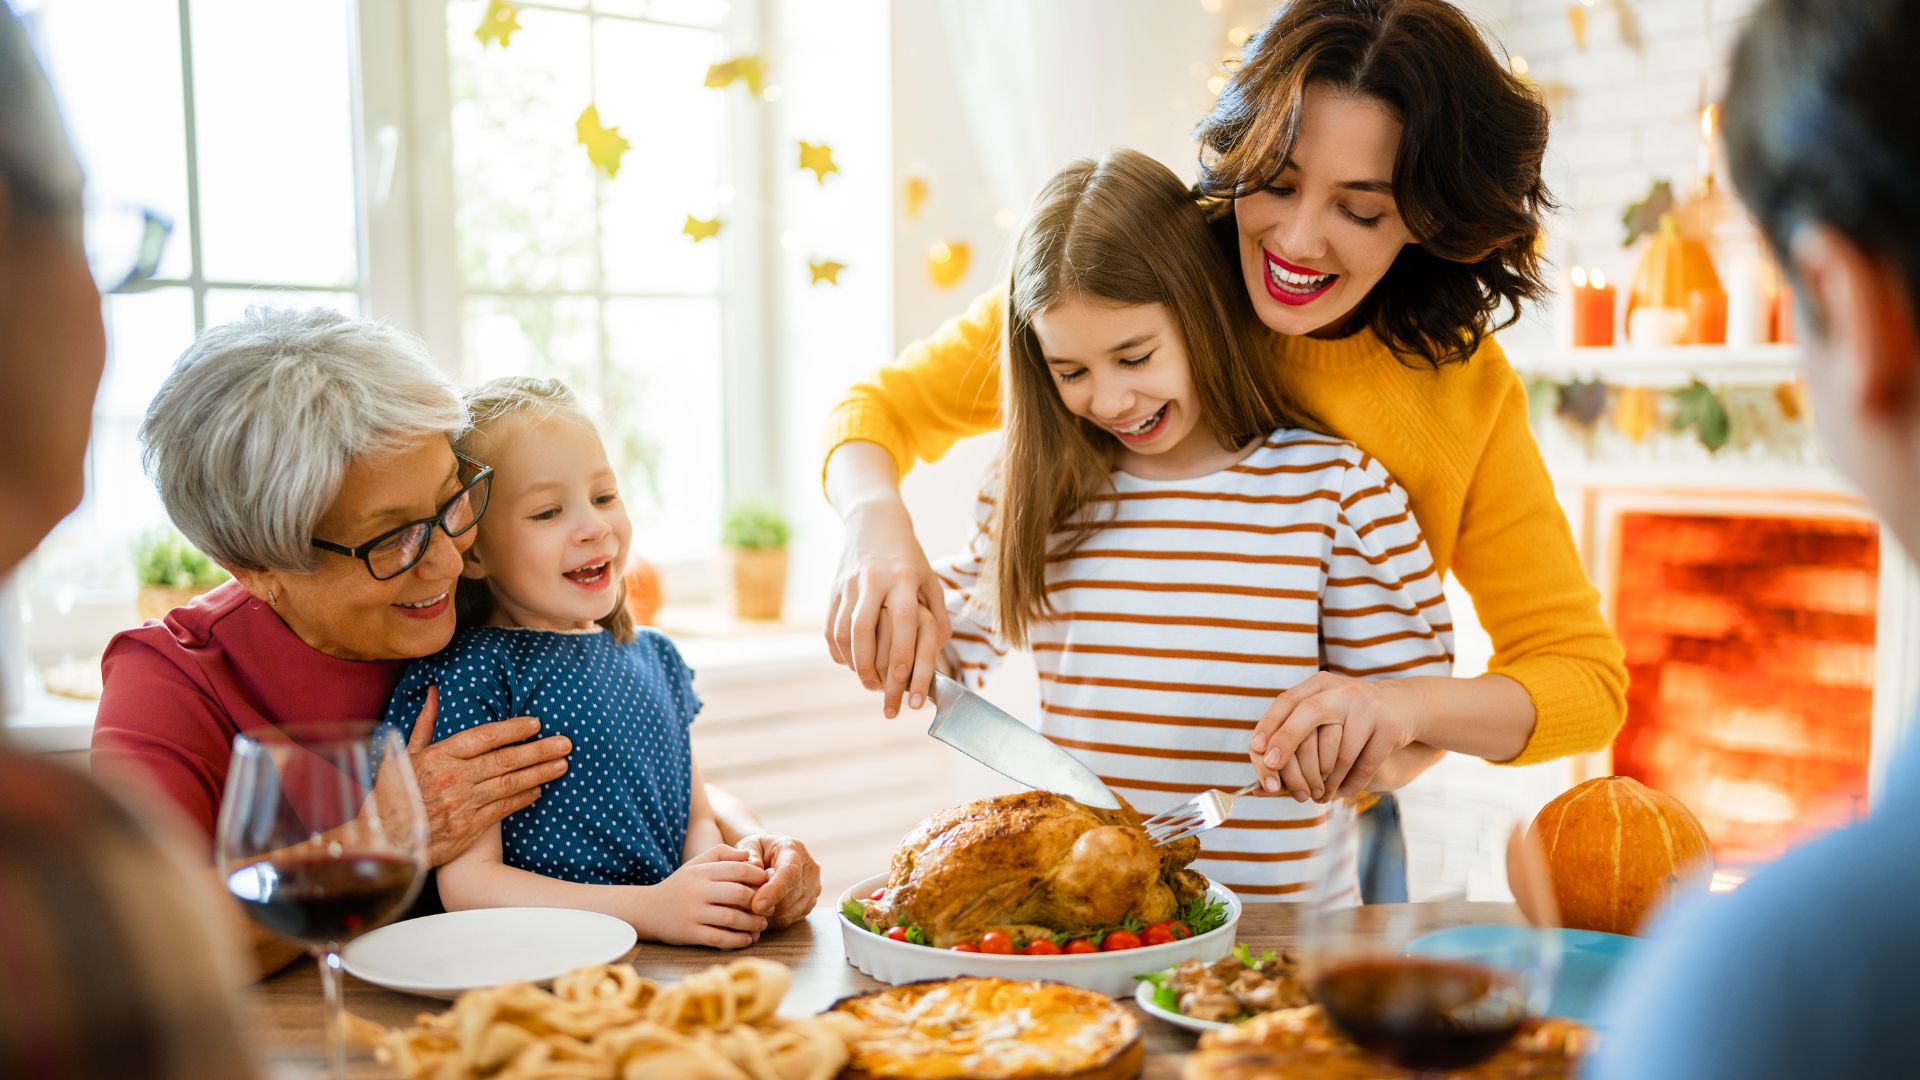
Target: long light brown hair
[[489, 404], [1118, 230]]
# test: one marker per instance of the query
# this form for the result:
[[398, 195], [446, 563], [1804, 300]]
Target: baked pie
[[1302, 1044], [991, 1029]]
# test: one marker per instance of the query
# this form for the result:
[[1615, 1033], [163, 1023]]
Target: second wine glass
[[322, 837], [1411, 1008]]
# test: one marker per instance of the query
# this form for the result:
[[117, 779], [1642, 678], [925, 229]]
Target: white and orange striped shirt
[[1197, 602]]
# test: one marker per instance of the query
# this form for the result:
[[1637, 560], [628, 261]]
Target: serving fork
[[1198, 814]]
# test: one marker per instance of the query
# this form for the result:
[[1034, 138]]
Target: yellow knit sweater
[[1456, 439]]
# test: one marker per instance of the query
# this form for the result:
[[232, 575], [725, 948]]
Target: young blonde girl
[[544, 632], [1168, 535]]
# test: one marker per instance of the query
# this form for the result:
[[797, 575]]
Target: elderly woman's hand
[[471, 781], [793, 882]]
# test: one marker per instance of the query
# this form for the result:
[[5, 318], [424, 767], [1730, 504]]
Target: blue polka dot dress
[[619, 815]]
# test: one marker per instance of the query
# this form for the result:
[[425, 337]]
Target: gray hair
[[36, 160], [250, 437]]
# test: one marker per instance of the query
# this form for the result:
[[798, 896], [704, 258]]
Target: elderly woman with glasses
[[309, 454]]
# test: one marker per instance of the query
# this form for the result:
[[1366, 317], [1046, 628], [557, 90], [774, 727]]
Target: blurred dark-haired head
[[1825, 150], [1465, 175], [1820, 124]]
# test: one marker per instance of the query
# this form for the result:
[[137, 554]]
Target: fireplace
[[1750, 641]]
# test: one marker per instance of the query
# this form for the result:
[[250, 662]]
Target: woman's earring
[[271, 601]]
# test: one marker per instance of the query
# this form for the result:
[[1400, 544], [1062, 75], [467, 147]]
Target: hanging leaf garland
[[1582, 402], [914, 195], [605, 145], [1699, 409], [947, 262], [498, 24], [749, 69], [1791, 396], [1642, 217], [1634, 412], [819, 158]]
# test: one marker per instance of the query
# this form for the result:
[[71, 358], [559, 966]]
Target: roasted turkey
[[1032, 862]]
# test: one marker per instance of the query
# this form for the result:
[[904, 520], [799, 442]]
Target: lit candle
[[1592, 309], [1707, 155]]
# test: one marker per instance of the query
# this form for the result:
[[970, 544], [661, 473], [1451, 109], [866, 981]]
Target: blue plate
[[1589, 962]]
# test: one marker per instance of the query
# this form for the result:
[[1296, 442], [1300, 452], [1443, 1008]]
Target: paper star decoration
[[917, 190], [701, 230], [819, 158], [605, 145], [498, 24], [749, 68], [828, 271]]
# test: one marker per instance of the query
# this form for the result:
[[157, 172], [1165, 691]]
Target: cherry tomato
[[1161, 933], [1041, 947], [1119, 939], [966, 946], [1080, 945], [994, 941], [878, 893], [897, 933]]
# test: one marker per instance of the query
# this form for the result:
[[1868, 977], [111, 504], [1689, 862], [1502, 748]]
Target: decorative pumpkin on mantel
[[1617, 850], [1671, 270]]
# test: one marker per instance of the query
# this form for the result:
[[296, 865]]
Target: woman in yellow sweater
[[1375, 176]]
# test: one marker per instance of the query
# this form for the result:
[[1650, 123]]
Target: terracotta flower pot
[[154, 601], [759, 582]]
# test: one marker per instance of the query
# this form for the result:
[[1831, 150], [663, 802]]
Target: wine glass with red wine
[[1438, 1005], [322, 837]]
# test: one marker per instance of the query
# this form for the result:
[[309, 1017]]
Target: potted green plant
[[755, 535], [170, 572]]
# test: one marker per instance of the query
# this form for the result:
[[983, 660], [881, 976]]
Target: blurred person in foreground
[[110, 964], [112, 960], [1807, 969]]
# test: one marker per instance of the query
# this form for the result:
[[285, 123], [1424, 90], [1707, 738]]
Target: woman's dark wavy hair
[[1820, 126], [1466, 178]]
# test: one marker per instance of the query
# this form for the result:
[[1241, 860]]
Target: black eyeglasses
[[396, 551]]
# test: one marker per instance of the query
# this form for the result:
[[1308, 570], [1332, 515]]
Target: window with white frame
[[305, 158], [563, 270]]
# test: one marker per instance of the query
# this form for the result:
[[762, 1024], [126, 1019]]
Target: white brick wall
[[1626, 111]]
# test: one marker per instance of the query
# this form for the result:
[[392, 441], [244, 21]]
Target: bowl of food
[[1106, 960], [1036, 886], [1218, 993]]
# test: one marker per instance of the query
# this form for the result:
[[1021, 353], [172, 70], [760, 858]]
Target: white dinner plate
[[1143, 997], [445, 955]]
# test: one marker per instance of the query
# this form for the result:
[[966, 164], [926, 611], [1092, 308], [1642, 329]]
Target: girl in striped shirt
[[1168, 535]]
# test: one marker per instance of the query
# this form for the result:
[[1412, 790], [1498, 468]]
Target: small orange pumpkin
[[642, 583], [1616, 850], [1671, 268]]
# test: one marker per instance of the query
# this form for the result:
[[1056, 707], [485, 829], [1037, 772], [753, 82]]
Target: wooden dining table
[[286, 1021]]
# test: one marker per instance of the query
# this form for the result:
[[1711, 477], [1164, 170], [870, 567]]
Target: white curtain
[[1043, 81]]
